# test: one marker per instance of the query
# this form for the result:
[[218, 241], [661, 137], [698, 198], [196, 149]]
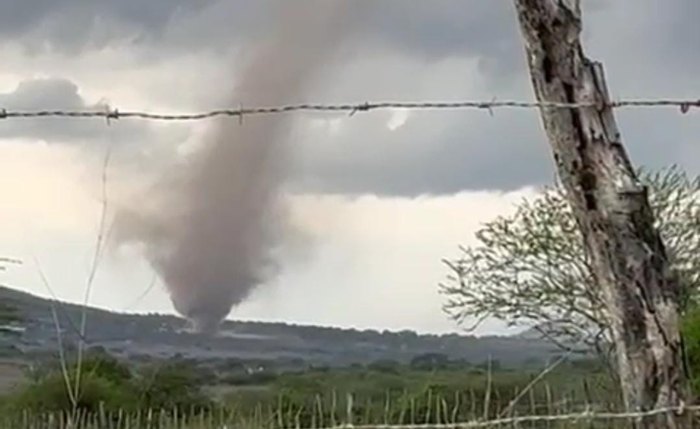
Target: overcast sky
[[382, 196]]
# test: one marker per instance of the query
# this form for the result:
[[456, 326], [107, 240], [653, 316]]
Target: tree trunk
[[612, 209]]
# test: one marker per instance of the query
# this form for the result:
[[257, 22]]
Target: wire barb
[[110, 114], [489, 106], [587, 415], [684, 105], [361, 108]]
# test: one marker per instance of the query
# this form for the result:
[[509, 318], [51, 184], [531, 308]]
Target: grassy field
[[316, 398], [219, 419]]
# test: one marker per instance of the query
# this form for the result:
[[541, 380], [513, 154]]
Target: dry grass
[[348, 412], [286, 419]]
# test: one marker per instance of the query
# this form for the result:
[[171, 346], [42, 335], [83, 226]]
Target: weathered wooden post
[[612, 209]]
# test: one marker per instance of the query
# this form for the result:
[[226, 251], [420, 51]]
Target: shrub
[[691, 339], [171, 385], [51, 394]]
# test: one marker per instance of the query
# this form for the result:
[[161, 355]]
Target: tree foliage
[[110, 383], [691, 338], [172, 385], [8, 314], [530, 269], [104, 380]]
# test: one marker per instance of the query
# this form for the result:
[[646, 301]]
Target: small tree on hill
[[8, 313]]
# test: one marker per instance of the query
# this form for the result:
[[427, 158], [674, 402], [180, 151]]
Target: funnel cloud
[[210, 226]]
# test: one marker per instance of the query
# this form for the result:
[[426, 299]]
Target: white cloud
[[129, 77], [375, 262], [43, 190], [398, 119]]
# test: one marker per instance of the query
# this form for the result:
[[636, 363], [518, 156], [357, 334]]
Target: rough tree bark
[[611, 207]]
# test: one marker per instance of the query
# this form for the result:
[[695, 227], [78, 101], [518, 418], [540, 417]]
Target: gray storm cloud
[[219, 217]]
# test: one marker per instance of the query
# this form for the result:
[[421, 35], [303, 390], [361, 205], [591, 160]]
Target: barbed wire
[[214, 419], [573, 417], [108, 113]]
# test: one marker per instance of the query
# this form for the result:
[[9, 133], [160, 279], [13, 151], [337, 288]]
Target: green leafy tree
[[50, 394], [107, 381], [104, 381], [430, 361], [172, 385], [530, 269]]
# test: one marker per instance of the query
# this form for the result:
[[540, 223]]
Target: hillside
[[162, 336]]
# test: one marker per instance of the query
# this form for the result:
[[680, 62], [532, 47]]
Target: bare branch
[[530, 269]]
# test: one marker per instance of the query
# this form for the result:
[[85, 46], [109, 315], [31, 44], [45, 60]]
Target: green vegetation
[[530, 269], [108, 384], [430, 389], [406, 395], [691, 339]]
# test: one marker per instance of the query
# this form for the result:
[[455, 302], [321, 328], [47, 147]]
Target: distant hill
[[163, 336]]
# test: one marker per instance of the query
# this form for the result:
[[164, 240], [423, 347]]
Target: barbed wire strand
[[115, 114], [583, 416]]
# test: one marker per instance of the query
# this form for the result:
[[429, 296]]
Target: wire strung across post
[[352, 109]]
